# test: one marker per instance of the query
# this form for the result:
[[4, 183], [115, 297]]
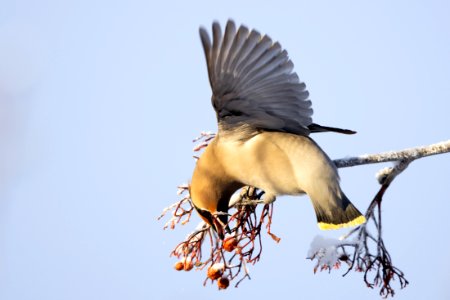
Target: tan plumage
[[264, 118]]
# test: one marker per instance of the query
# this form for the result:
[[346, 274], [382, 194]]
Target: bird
[[263, 140]]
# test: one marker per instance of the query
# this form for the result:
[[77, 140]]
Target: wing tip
[[204, 35]]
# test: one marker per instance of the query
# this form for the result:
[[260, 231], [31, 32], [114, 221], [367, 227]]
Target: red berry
[[223, 283], [179, 266], [215, 271], [229, 244]]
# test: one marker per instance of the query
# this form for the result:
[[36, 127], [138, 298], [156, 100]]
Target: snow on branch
[[362, 249], [407, 154]]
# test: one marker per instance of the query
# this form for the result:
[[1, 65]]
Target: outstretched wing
[[253, 82]]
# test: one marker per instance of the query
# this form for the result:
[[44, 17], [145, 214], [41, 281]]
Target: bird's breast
[[273, 161]]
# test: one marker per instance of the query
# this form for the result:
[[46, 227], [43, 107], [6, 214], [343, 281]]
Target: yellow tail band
[[327, 226]]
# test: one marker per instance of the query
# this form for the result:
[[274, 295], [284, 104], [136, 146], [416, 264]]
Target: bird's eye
[[207, 215]]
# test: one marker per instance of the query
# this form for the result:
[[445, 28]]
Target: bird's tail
[[337, 214]]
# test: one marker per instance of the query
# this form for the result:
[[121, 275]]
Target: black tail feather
[[314, 128]]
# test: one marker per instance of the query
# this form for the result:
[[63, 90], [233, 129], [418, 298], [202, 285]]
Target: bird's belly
[[261, 163]]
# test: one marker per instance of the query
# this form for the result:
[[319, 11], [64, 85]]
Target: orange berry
[[214, 272], [188, 265], [229, 244], [223, 283], [179, 266]]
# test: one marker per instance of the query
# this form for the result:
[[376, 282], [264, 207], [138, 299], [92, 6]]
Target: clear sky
[[100, 100]]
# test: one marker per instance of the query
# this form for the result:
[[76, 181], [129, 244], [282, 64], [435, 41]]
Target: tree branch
[[406, 154]]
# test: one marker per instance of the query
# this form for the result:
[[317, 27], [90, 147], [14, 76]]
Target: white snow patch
[[382, 174], [324, 250], [218, 266]]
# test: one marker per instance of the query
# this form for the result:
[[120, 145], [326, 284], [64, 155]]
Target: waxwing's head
[[212, 220], [206, 204]]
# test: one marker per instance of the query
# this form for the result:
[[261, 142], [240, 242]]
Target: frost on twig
[[181, 210], [362, 249], [393, 156]]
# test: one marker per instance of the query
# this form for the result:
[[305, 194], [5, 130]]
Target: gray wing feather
[[253, 82]]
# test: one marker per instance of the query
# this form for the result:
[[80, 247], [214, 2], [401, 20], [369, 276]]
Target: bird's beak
[[218, 227], [212, 220]]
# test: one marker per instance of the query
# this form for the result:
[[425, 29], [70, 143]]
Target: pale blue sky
[[99, 102]]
